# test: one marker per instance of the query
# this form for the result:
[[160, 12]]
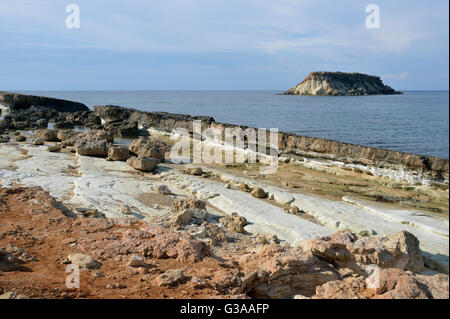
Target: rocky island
[[98, 190], [341, 84]]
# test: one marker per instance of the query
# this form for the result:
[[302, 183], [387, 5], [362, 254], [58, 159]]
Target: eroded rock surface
[[135, 255], [356, 252], [148, 148]]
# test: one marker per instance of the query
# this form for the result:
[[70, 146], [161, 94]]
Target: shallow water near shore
[[416, 122]]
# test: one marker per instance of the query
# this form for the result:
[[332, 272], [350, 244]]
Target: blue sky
[[219, 44]]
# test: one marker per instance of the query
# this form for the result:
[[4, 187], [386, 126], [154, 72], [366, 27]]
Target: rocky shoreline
[[98, 189], [125, 122], [294, 147]]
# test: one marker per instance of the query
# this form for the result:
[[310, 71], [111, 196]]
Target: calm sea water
[[416, 122]]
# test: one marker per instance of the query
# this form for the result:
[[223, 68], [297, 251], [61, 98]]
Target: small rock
[[93, 213], [261, 239], [87, 147], [227, 186], [234, 222], [136, 261], [124, 209], [163, 190], [142, 163], [183, 218], [20, 138], [188, 203], [99, 274], [258, 192], [170, 278], [83, 261], [200, 214], [53, 148], [196, 171], [38, 141], [245, 188], [295, 210]]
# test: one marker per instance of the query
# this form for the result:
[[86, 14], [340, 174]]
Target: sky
[[219, 44]]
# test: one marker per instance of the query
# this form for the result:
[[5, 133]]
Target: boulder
[[118, 153], [98, 135], [277, 272], [15, 255], [234, 222], [143, 163], [157, 242], [215, 234], [97, 148], [20, 138], [148, 148], [348, 250], [47, 135], [188, 203], [392, 283], [38, 141], [282, 198], [122, 128], [182, 218], [199, 214], [64, 135]]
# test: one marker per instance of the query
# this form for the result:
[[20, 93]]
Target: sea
[[415, 122]]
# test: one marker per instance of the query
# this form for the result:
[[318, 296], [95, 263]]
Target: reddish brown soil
[[29, 219]]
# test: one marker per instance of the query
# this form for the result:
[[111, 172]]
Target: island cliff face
[[340, 84]]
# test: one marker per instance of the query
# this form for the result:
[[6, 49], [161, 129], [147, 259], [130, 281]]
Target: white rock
[[83, 261], [136, 261]]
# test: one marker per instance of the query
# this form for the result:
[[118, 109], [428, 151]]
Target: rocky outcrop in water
[[16, 101], [339, 83], [161, 120]]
